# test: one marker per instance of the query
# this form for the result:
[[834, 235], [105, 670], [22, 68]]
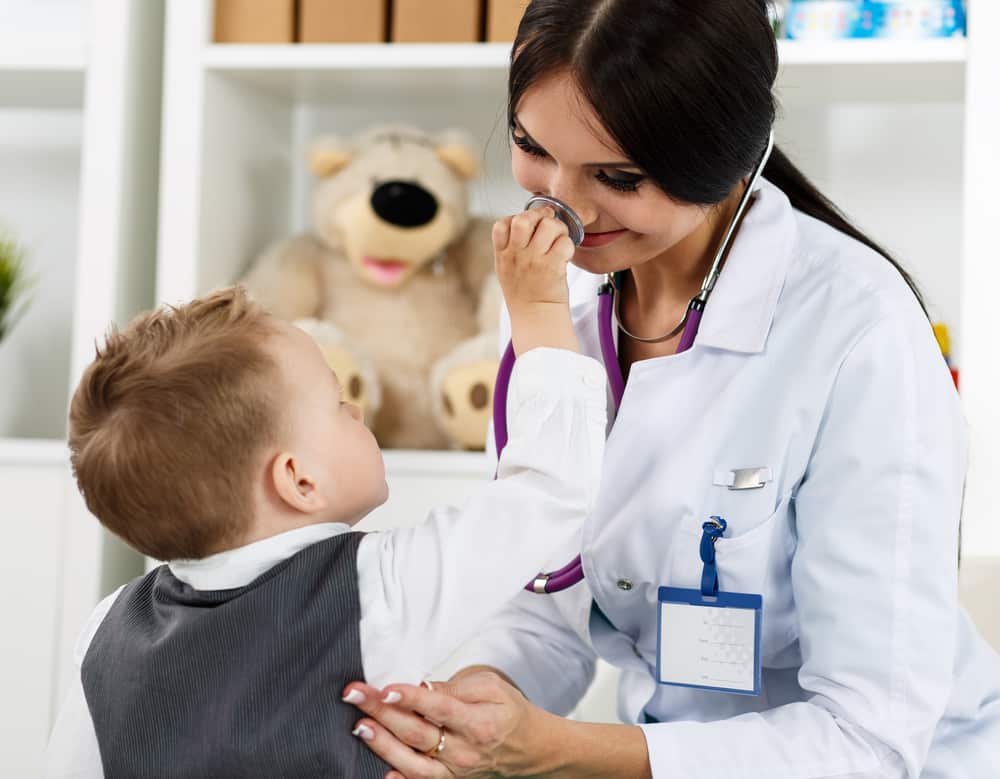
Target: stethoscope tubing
[[572, 573], [609, 353]]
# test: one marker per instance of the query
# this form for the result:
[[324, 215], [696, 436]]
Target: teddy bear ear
[[327, 156], [459, 156]]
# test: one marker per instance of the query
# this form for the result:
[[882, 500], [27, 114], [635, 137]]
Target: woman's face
[[560, 149]]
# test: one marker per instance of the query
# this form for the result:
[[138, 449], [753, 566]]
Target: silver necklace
[[665, 337]]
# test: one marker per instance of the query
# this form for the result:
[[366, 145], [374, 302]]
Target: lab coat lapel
[[740, 311]]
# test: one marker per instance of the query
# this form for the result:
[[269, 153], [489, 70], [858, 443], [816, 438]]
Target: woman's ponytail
[[806, 198]]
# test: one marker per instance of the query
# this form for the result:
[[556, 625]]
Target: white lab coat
[[814, 360]]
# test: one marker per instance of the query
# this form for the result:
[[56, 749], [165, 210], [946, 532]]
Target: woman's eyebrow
[[533, 142]]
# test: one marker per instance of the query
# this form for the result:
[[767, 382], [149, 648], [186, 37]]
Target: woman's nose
[[584, 210], [354, 410]]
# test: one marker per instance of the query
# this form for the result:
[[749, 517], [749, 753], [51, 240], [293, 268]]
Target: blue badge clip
[[712, 531]]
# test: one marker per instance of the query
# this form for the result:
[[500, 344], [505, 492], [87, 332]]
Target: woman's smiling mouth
[[596, 240]]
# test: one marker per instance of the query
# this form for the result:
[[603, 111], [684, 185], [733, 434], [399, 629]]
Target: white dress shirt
[[814, 361], [426, 589]]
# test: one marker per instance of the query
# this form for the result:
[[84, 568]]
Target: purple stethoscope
[[607, 309]]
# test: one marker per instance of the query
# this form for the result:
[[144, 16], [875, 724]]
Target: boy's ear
[[294, 486]]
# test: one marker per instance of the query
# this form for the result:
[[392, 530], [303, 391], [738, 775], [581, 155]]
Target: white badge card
[[710, 642]]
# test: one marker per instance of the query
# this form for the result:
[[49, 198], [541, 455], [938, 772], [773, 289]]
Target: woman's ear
[[294, 486]]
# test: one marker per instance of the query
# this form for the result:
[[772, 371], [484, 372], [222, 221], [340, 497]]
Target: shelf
[[33, 451], [420, 481], [894, 70], [363, 56], [398, 462], [431, 56], [42, 77], [873, 52], [372, 73], [413, 462]]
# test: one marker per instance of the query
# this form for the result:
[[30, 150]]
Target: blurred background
[[150, 150]]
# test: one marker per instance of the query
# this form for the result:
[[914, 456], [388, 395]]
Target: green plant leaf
[[14, 283]]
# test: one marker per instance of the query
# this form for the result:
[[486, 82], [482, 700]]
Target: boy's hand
[[531, 250]]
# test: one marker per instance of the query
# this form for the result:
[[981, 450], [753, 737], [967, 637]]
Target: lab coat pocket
[[757, 561]]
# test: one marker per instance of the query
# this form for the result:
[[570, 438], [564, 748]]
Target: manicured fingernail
[[354, 696], [392, 697], [363, 732]]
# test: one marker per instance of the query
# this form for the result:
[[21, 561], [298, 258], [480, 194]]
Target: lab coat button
[[625, 584]]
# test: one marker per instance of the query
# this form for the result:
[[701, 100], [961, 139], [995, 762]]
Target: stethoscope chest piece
[[564, 214]]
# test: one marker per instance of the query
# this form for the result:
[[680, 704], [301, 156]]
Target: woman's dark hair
[[683, 86]]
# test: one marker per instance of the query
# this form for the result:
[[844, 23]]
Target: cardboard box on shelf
[[502, 19], [436, 21], [254, 21], [343, 21]]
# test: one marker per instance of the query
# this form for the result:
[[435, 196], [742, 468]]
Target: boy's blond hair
[[168, 423]]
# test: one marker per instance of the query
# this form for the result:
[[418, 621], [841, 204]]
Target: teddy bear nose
[[404, 204]]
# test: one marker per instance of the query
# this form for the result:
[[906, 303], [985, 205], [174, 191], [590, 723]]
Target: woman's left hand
[[489, 727]]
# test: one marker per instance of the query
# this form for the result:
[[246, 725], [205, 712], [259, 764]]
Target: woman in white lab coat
[[815, 368]]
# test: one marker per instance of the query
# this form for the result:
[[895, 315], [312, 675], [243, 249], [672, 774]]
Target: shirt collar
[[741, 309], [238, 567]]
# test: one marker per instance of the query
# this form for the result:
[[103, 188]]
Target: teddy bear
[[395, 282]]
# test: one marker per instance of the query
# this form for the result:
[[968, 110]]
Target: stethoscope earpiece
[[564, 214]]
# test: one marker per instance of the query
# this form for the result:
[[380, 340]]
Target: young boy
[[214, 436]]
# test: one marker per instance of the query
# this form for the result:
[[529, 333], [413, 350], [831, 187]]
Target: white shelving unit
[[901, 134], [43, 78], [881, 126], [79, 133], [43, 52]]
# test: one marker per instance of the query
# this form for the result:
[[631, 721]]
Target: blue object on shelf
[[835, 19]]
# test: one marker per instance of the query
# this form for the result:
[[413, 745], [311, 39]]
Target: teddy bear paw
[[358, 380], [467, 402]]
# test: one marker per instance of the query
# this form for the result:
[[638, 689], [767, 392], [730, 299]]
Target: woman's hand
[[489, 727], [532, 250]]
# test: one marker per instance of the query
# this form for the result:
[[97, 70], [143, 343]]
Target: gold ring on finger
[[438, 748]]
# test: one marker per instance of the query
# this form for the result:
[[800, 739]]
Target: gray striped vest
[[233, 683]]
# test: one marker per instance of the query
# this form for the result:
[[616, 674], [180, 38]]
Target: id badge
[[711, 642], [707, 639]]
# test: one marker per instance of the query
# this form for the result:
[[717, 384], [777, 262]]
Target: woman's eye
[[623, 182], [526, 146]]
